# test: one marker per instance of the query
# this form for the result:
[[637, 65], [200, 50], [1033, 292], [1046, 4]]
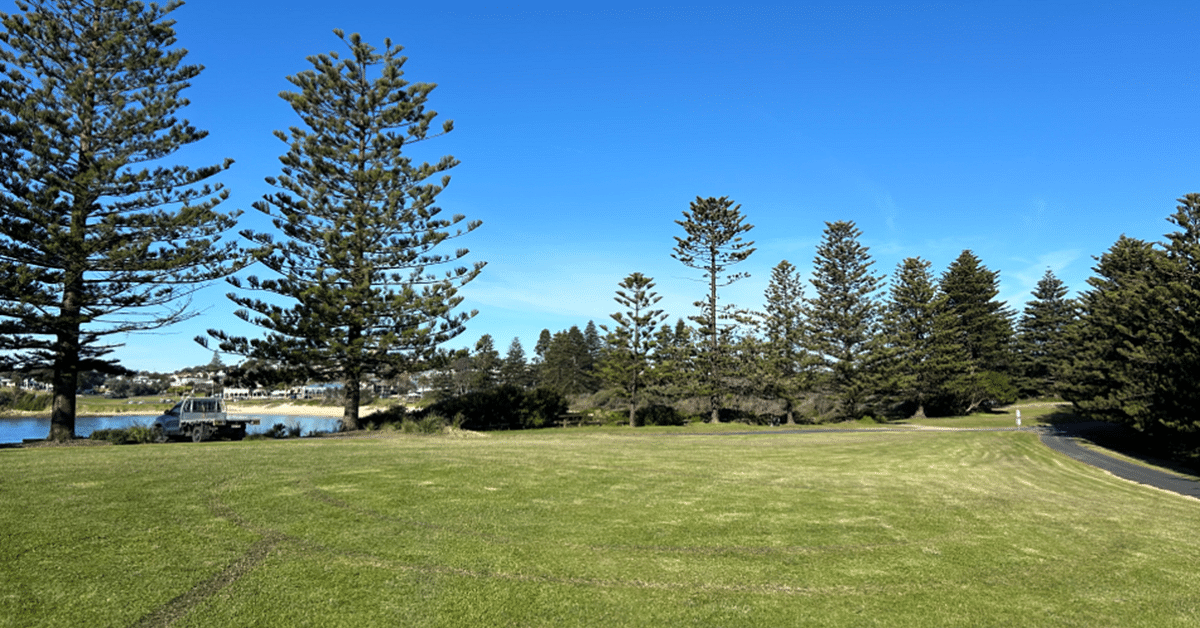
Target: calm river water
[[15, 430]]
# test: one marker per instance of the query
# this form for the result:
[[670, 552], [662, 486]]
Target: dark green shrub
[[431, 423], [124, 436], [614, 417], [731, 415], [114, 436], [543, 407], [659, 414], [140, 434], [502, 408]]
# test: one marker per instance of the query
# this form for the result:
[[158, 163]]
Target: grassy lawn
[[597, 527], [1031, 414]]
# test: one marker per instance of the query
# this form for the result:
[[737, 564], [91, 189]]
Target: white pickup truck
[[200, 418]]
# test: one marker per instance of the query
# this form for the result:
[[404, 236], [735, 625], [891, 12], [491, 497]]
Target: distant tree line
[[845, 347]]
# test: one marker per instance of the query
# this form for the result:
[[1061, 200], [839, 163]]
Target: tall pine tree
[[1120, 337], [713, 243], [844, 315], [485, 364], [1180, 411], [786, 367], [974, 322], [98, 234], [910, 315], [514, 370], [632, 340], [361, 231], [1041, 340], [568, 367]]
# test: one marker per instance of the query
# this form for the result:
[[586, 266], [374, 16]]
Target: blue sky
[[1031, 133]]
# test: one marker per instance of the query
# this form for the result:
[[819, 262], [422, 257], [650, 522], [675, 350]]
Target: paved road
[[1063, 440]]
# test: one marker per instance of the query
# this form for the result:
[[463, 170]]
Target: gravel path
[[1063, 440]]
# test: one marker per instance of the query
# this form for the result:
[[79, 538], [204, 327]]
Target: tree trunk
[[65, 380], [633, 402], [713, 376], [66, 365], [350, 411]]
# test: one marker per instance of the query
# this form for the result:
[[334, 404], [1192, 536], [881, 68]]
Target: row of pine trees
[[851, 343]]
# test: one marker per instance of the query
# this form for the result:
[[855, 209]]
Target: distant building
[[320, 390]]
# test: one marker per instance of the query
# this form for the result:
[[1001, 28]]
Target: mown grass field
[[591, 527]]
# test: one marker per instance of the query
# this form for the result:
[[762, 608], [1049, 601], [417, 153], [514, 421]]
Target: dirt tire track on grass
[[181, 605]]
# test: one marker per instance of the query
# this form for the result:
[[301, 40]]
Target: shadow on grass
[[1176, 454]]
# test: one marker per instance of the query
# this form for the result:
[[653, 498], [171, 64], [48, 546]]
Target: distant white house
[[319, 390], [244, 393]]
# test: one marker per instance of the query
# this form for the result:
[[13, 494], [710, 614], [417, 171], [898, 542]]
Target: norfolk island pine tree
[[713, 243], [360, 230], [98, 236]]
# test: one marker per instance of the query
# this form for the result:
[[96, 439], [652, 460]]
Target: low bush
[[502, 408], [135, 434], [659, 414], [430, 423]]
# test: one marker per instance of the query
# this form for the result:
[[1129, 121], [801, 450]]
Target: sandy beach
[[290, 409]]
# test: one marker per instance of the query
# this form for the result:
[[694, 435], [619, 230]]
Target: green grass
[[97, 404], [597, 527], [1031, 414]]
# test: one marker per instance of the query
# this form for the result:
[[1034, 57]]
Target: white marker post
[[1018, 418]]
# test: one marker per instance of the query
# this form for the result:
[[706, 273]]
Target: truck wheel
[[158, 435], [199, 433]]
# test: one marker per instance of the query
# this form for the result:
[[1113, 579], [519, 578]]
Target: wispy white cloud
[[1022, 275], [887, 205]]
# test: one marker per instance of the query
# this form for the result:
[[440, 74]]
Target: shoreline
[[277, 409]]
